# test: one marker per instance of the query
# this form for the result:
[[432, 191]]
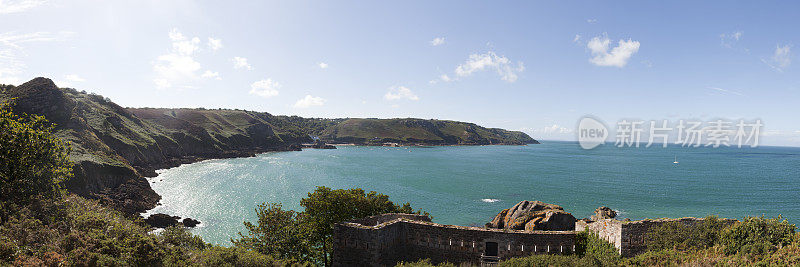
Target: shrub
[[679, 236], [553, 260], [278, 232], [179, 236], [758, 235], [665, 257], [32, 160], [239, 257], [590, 246]]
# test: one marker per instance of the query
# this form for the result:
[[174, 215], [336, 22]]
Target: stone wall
[[608, 229], [630, 237], [388, 239]]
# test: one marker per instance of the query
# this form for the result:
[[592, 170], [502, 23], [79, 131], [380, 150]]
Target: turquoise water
[[469, 185]]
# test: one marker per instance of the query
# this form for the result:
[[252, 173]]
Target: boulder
[[161, 220], [189, 222], [603, 213], [533, 215]]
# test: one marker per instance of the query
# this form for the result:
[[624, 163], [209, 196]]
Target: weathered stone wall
[[630, 237], [387, 217], [402, 239], [608, 229]]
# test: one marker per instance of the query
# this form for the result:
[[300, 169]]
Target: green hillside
[[419, 131], [114, 147]]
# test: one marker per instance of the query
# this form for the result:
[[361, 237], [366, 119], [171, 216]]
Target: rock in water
[[189, 222], [533, 215], [161, 220], [603, 213]]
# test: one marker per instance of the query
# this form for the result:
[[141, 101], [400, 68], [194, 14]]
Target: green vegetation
[[678, 236], [307, 235], [43, 226], [419, 131], [32, 161]]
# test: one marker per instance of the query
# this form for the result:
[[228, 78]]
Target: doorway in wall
[[491, 249]]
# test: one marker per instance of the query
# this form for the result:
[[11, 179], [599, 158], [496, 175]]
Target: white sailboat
[[676, 160]]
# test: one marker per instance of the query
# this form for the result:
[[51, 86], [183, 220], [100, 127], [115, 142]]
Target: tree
[[325, 207], [33, 161], [280, 233], [307, 236]]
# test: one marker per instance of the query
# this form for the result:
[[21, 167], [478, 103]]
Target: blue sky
[[531, 66]]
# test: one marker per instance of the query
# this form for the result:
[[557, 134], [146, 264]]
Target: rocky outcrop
[[189, 222], [533, 215], [161, 220], [602, 213]]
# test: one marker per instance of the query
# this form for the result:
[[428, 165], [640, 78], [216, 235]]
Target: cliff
[[114, 147]]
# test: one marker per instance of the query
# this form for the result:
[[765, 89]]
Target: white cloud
[[241, 63], [323, 65], [591, 21], [179, 68], [489, 60], [265, 88], [12, 6], [12, 50], [211, 74], [729, 40], [400, 92], [781, 58], [445, 78], [214, 44], [616, 57], [182, 45], [437, 41], [577, 38], [309, 101]]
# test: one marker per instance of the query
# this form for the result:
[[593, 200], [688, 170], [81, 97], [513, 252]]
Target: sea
[[469, 185]]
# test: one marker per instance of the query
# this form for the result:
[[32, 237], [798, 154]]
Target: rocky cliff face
[[113, 148], [533, 215]]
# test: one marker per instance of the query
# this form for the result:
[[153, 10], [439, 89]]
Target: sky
[[535, 66]]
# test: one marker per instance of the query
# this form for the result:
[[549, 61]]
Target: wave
[[490, 200]]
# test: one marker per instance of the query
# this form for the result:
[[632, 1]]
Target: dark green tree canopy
[[33, 161]]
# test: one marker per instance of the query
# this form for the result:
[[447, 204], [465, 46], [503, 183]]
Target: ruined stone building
[[385, 240]]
